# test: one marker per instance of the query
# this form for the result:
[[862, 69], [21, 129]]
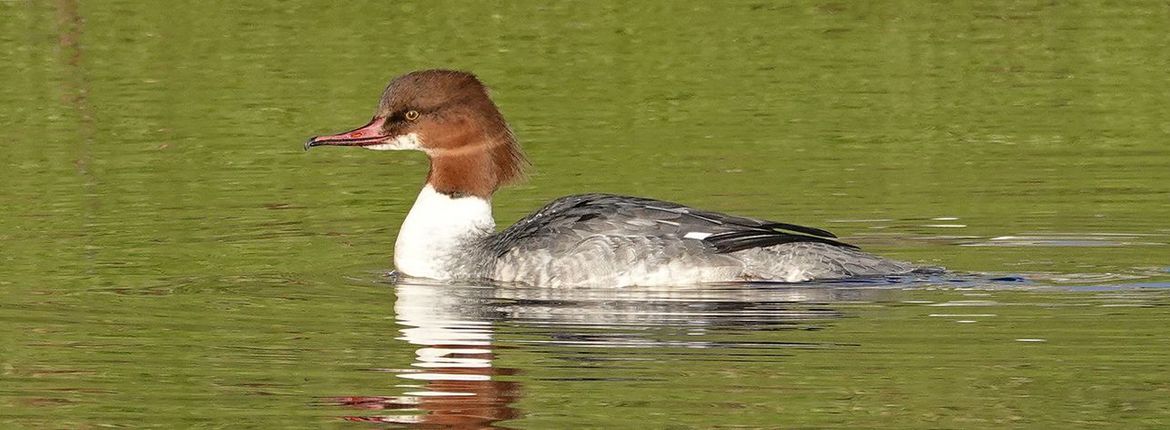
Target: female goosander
[[586, 239]]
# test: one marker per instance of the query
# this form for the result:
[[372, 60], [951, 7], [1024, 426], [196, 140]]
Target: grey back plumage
[[608, 214], [587, 237]]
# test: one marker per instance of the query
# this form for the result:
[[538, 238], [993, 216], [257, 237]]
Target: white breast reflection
[[454, 381]]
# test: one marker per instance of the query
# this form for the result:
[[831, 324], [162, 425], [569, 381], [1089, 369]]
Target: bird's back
[[621, 240]]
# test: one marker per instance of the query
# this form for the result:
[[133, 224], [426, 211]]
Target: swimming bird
[[585, 239]]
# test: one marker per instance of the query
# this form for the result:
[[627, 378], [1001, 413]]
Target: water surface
[[169, 257]]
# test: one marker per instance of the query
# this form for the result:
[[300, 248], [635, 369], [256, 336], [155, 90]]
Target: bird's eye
[[411, 115]]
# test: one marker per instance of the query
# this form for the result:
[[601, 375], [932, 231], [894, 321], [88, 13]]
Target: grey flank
[[619, 240]]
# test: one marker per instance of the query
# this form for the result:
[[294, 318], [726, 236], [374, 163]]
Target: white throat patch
[[401, 143], [436, 232]]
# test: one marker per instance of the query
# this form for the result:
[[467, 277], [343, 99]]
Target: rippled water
[[170, 258], [895, 353]]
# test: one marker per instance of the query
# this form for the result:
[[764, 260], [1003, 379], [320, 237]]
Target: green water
[[170, 258]]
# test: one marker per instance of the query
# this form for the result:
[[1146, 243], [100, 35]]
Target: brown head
[[449, 116]]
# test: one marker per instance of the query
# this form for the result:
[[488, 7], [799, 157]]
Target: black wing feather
[[812, 231], [726, 243]]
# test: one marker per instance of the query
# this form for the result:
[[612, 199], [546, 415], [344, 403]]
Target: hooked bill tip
[[309, 143]]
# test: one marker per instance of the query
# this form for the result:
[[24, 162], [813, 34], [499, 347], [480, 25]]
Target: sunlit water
[[972, 351], [170, 258]]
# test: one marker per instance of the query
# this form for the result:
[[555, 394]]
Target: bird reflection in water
[[453, 382]]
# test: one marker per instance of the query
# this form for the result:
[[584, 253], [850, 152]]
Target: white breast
[[437, 231]]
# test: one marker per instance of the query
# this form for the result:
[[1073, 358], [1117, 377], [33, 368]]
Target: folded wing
[[568, 220]]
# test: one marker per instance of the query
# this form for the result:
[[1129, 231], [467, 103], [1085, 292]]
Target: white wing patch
[[697, 235]]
